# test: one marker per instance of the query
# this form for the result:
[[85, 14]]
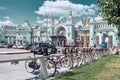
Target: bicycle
[[63, 60], [73, 56], [32, 65]]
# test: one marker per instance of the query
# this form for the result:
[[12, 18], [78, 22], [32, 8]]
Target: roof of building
[[25, 25], [10, 27]]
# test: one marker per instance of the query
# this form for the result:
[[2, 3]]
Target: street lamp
[[31, 35], [57, 38]]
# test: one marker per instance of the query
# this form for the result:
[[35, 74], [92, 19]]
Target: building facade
[[93, 33], [56, 33], [105, 33]]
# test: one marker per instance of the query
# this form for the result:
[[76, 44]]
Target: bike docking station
[[42, 73], [74, 56]]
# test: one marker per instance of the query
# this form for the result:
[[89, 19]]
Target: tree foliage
[[110, 11]]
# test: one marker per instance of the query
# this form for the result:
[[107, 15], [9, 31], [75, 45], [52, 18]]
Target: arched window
[[61, 31]]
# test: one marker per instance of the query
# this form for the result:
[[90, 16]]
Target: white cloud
[[2, 8], [6, 22], [40, 21], [38, 18], [6, 17], [62, 7]]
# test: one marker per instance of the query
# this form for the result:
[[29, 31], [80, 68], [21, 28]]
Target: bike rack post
[[43, 71]]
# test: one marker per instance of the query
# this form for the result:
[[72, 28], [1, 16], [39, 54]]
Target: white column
[[16, 41], [100, 38], [62, 43], [84, 41], [114, 38], [8, 38], [59, 43], [12, 40], [37, 39]]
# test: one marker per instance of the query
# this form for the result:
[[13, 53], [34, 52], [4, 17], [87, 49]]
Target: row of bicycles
[[67, 58]]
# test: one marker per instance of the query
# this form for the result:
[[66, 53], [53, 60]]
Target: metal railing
[[43, 70]]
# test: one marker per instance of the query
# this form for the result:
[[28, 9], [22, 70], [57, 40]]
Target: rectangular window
[[82, 38]]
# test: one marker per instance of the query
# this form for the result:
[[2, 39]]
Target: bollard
[[43, 71]]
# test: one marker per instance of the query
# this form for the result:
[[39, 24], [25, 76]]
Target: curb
[[10, 53]]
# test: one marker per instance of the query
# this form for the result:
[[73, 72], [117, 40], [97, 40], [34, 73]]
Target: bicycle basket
[[33, 65]]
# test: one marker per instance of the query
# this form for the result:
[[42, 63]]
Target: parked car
[[43, 48], [6, 45], [10, 45], [0, 45], [28, 46]]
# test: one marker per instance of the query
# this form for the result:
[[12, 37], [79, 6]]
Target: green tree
[[110, 11]]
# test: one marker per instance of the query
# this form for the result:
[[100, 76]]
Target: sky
[[15, 12]]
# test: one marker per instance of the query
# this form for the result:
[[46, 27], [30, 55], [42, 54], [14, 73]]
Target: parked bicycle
[[34, 65]]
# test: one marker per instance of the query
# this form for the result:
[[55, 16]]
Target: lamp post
[[79, 40], [31, 35], [57, 38]]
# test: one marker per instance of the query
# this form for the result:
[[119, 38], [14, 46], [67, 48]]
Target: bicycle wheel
[[91, 57], [66, 62], [51, 67], [96, 56], [32, 65], [79, 57], [74, 61], [27, 68], [87, 58]]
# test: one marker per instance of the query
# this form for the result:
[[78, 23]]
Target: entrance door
[[110, 41], [97, 40], [103, 39]]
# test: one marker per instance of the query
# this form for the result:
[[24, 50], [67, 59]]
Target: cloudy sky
[[14, 12]]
